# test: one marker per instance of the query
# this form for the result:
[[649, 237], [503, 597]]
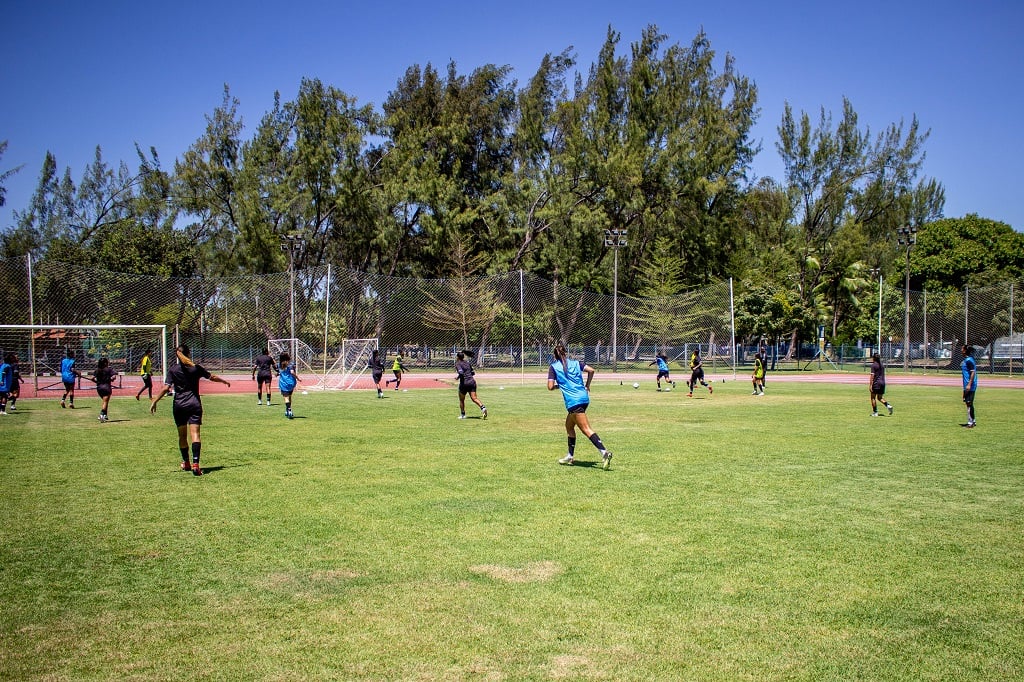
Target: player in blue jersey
[[183, 377], [15, 392], [6, 381], [68, 374], [969, 371], [286, 380], [662, 361], [567, 374]]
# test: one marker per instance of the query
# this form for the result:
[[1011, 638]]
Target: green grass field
[[785, 537]]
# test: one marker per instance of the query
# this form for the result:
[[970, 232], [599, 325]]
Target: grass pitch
[[789, 536]]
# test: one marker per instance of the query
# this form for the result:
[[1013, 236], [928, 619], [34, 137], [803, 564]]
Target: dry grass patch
[[538, 571]]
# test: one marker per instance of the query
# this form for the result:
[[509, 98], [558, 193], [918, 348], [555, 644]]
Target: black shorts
[[579, 409], [377, 376], [104, 392], [264, 378], [968, 397], [69, 385], [285, 394], [183, 416], [467, 387], [147, 380], [697, 375], [663, 373], [878, 389]]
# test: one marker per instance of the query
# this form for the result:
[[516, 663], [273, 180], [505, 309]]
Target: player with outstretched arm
[[187, 408]]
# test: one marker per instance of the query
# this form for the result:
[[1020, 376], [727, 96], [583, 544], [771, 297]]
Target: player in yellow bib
[[146, 370]]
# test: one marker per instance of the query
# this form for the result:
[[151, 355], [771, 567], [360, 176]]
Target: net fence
[[509, 320]]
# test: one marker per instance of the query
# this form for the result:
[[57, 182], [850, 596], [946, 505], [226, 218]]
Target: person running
[[286, 380], [757, 378], [376, 366], [103, 377], [146, 371], [262, 371], [68, 373], [183, 377], [876, 384], [969, 371], [467, 384], [567, 374], [697, 373], [397, 368], [662, 361], [6, 380], [15, 392]]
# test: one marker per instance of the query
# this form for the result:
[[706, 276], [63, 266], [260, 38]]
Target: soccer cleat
[[755, 392], [673, 384], [289, 414], [462, 416], [196, 471], [710, 389], [63, 404], [259, 402], [186, 467], [483, 411], [568, 459], [136, 397], [874, 414], [690, 394], [889, 407], [606, 458]]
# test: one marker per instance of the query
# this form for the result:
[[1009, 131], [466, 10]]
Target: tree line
[[461, 174]]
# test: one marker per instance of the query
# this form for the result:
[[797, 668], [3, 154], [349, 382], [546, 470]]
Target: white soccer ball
[[636, 385], [305, 393], [667, 389], [405, 390]]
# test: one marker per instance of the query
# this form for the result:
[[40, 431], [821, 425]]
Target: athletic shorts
[[69, 385], [467, 387], [147, 380], [104, 392], [285, 394], [662, 374], [187, 416], [377, 376], [697, 375], [262, 378], [968, 397], [878, 389], [579, 409]]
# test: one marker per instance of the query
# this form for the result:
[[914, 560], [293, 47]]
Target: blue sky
[[81, 74]]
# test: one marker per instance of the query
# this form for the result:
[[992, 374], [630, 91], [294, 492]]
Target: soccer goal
[[41, 347], [350, 365], [301, 353]]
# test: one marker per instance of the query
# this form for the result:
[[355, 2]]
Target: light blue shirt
[[67, 370], [286, 380], [570, 379]]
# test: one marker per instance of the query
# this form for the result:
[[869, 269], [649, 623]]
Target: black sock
[[196, 447], [572, 446], [184, 454], [597, 442]]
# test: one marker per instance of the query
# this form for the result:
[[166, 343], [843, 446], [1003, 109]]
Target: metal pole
[[732, 319], [924, 312], [291, 277], [906, 318], [522, 331], [32, 320], [1011, 329], [615, 313], [327, 317], [879, 350], [967, 307]]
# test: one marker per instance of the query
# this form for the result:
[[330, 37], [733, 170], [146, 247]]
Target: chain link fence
[[509, 320]]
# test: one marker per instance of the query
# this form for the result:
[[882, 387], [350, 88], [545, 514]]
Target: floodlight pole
[[907, 237], [878, 272], [615, 239], [292, 244]]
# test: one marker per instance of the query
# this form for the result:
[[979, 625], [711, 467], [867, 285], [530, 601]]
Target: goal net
[[40, 349], [350, 365]]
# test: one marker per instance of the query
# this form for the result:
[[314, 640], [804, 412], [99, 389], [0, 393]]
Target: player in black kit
[[184, 377], [262, 368]]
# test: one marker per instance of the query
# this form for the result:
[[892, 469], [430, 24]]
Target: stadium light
[[907, 237], [292, 244], [615, 239]]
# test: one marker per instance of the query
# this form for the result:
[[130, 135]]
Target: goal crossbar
[[162, 328]]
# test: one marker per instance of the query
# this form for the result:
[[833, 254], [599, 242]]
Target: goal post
[[41, 346]]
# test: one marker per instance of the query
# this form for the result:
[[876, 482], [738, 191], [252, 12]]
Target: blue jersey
[[6, 378], [570, 379], [67, 370], [286, 380], [662, 365], [969, 369]]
